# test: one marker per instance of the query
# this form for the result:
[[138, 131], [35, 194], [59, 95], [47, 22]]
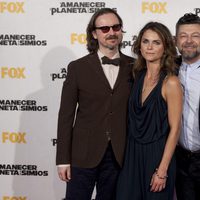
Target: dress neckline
[[142, 104]]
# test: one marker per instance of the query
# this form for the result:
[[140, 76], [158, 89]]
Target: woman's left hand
[[158, 182]]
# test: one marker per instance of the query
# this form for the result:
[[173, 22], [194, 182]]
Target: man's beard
[[187, 55]]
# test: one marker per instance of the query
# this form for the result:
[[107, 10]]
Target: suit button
[[111, 113], [108, 134]]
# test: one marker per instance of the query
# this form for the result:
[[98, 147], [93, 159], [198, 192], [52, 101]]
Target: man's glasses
[[106, 29]]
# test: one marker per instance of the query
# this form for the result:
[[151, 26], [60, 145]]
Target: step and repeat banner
[[38, 39]]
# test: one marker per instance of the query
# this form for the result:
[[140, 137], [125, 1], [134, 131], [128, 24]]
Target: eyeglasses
[[106, 29]]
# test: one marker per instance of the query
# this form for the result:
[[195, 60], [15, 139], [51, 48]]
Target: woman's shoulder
[[171, 81], [171, 86]]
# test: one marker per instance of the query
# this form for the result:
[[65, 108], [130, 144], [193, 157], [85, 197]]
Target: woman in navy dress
[[155, 108]]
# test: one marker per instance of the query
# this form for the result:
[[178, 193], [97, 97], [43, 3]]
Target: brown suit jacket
[[101, 112]]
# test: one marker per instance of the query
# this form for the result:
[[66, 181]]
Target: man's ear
[[94, 34]]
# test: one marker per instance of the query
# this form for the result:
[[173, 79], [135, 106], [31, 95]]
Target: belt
[[188, 152]]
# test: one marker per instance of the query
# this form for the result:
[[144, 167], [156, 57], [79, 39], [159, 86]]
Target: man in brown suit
[[92, 117]]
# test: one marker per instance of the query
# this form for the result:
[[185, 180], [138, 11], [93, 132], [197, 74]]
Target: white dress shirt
[[190, 79], [110, 71]]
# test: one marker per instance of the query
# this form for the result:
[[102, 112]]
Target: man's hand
[[64, 172]]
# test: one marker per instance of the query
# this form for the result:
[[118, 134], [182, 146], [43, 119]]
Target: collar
[[192, 66]]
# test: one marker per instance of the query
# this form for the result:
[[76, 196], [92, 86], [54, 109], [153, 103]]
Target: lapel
[[95, 64], [122, 71]]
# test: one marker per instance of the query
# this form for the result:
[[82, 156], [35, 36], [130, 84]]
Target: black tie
[[106, 60]]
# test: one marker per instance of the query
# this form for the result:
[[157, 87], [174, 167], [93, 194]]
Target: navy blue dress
[[148, 129]]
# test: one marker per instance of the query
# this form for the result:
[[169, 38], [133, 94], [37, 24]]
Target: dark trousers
[[188, 174], [104, 177]]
